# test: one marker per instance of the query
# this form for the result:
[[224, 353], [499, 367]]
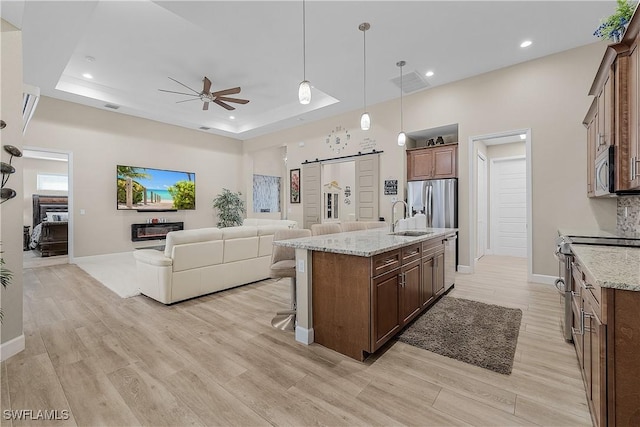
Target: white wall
[[11, 336], [31, 169], [99, 140], [547, 95]]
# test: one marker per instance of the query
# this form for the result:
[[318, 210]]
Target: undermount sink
[[411, 233]]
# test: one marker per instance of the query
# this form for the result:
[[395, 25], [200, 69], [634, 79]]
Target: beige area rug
[[481, 334], [115, 271]]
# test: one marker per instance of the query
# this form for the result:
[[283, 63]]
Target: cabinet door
[[419, 164], [410, 298], [604, 137], [595, 338], [386, 322], [428, 272], [445, 162], [591, 156], [438, 273], [634, 121]]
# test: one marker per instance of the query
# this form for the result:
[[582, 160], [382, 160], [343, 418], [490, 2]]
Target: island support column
[[304, 315]]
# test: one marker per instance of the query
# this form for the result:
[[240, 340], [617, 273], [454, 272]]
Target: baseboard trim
[[465, 269], [11, 347], [543, 279], [304, 335]]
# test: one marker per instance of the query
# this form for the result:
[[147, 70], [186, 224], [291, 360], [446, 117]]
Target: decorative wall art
[[266, 193], [338, 139], [294, 185]]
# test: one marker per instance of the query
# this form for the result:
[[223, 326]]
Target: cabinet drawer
[[411, 253], [430, 247], [384, 262], [585, 283]]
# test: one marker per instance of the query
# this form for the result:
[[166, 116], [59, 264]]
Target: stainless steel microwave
[[605, 172]]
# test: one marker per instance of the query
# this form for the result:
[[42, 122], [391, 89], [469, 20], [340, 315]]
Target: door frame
[[473, 176], [492, 205], [70, 246], [486, 193]]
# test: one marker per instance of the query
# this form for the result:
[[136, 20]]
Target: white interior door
[[367, 187], [311, 194], [482, 207], [508, 178]]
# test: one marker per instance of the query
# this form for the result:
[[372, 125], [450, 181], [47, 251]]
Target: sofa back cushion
[[196, 255], [266, 221], [190, 236], [240, 243]]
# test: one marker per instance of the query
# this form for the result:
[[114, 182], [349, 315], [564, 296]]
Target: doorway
[[47, 172], [500, 196]]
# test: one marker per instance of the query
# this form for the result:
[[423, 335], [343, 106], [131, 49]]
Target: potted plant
[[230, 208], [613, 27], [5, 278]]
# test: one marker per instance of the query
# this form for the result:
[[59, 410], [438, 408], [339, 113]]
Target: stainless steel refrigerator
[[437, 199]]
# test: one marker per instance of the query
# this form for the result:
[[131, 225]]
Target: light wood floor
[[216, 361]]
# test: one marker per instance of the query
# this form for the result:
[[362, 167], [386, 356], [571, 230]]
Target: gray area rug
[[481, 334]]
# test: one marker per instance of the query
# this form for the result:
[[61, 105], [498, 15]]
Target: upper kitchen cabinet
[[432, 162], [613, 134]]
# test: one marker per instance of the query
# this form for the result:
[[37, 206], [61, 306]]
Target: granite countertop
[[611, 266], [364, 243], [596, 232]]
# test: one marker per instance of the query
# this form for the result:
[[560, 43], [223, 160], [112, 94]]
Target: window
[[51, 182]]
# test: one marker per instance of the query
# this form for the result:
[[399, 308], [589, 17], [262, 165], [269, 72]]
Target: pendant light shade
[[365, 119], [402, 137], [304, 90]]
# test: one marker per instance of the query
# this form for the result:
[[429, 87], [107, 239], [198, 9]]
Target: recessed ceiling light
[[429, 73], [526, 43], [89, 58], [232, 117], [87, 76], [523, 136]]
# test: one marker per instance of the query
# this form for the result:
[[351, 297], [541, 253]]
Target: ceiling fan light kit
[[365, 119], [402, 137]]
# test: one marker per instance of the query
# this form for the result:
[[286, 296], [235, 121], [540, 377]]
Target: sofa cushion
[[195, 255], [241, 248], [266, 221], [151, 256], [240, 231], [190, 236]]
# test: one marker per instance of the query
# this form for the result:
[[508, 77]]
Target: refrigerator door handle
[[429, 202]]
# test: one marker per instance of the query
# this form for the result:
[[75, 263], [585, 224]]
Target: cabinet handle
[[581, 331], [635, 162], [586, 285], [417, 251], [387, 262], [632, 168], [601, 140], [401, 279], [575, 294]]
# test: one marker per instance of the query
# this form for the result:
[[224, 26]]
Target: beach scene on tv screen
[[155, 189]]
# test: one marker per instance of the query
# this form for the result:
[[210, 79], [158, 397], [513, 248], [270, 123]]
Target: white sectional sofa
[[198, 262]]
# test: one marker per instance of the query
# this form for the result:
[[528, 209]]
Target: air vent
[[112, 106], [411, 82], [204, 128]]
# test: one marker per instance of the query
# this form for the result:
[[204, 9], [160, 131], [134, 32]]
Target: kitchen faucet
[[406, 210]]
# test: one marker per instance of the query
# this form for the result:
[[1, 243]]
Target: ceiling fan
[[220, 97]]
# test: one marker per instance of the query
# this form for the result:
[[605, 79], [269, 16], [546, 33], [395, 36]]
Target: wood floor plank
[[216, 360], [5, 401]]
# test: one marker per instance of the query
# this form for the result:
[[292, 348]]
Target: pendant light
[[402, 137], [304, 90], [365, 119]]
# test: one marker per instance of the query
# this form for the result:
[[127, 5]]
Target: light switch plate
[[300, 266]]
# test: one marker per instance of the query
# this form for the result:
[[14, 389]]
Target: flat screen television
[[147, 189]]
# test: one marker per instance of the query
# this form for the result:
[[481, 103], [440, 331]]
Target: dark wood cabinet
[[386, 319], [410, 286], [591, 123], [432, 162], [633, 157]]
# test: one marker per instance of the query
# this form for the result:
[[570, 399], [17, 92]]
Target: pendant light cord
[[401, 118], [304, 42], [364, 85]]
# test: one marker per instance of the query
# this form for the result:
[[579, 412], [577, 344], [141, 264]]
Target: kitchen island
[[356, 290]]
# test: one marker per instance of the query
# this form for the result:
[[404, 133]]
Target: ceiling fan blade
[[207, 85], [179, 93], [193, 90], [205, 106], [226, 92], [236, 100], [187, 100], [223, 105]]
